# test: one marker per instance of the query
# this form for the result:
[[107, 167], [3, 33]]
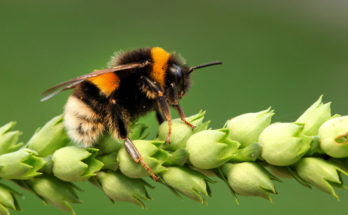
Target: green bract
[[188, 182], [138, 131], [249, 179], [109, 161], [72, 163], [121, 188], [210, 148], [333, 136], [284, 144], [152, 155], [55, 191], [180, 131], [49, 138], [314, 117], [22, 164], [8, 138], [246, 128], [320, 173]]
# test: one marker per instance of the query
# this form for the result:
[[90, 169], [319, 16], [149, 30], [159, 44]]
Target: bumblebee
[[108, 100]]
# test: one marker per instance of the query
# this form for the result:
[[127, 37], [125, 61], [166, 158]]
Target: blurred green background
[[279, 53]]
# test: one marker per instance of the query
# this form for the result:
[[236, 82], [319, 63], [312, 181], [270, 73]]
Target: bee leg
[[182, 115], [164, 107], [176, 105], [136, 156], [159, 116], [120, 127], [161, 103]]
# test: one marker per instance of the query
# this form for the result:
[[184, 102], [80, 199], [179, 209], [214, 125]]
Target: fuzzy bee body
[[109, 100], [108, 103]]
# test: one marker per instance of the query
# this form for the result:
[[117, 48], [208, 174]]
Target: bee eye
[[176, 72]]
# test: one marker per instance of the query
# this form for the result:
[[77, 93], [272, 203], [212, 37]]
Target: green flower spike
[[249, 179], [53, 190], [72, 163], [8, 200], [333, 136], [152, 154], [314, 117], [320, 173], [121, 188], [188, 182], [180, 131], [49, 138], [284, 144], [22, 164], [246, 128], [210, 148], [9, 139]]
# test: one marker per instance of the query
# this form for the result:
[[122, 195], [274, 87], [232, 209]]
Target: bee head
[[179, 75]]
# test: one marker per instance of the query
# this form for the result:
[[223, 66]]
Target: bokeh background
[[283, 54]]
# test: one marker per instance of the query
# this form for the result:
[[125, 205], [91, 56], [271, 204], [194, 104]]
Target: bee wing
[[66, 85]]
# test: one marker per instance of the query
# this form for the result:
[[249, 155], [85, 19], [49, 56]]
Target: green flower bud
[[249, 179], [209, 149], [153, 156], [108, 144], [8, 200], [320, 173], [109, 161], [246, 128], [248, 153], [22, 164], [9, 139], [314, 117], [49, 138], [121, 188], [188, 182], [180, 131], [284, 144], [178, 157], [72, 163], [55, 191], [280, 171], [333, 136]]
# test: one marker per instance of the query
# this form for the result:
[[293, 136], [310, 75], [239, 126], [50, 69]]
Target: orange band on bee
[[160, 63], [107, 83]]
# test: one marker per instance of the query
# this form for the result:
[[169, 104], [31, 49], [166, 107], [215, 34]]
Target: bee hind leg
[[136, 156], [121, 131]]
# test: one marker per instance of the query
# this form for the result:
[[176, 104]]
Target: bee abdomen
[[83, 125]]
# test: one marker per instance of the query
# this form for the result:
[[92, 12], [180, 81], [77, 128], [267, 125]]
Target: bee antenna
[[204, 65]]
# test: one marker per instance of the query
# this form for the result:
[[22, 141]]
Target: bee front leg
[[162, 105], [177, 107]]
